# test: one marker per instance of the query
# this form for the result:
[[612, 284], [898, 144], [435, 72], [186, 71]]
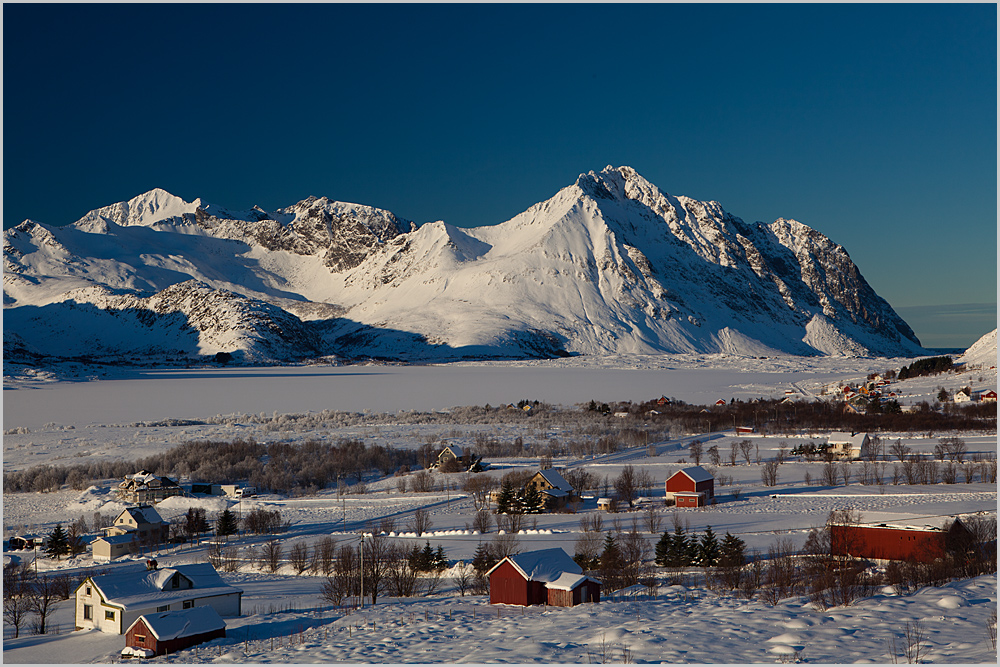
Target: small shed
[[171, 631], [604, 504], [694, 480], [546, 576]]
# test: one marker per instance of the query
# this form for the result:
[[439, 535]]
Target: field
[[286, 620]]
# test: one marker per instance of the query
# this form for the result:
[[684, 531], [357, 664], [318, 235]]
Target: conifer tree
[[708, 549], [611, 563], [58, 545], [533, 502], [662, 549], [440, 561], [677, 553], [506, 499], [226, 524], [731, 551]]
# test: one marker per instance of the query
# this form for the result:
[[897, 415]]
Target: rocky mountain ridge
[[609, 264]]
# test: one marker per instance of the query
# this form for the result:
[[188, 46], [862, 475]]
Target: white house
[[113, 602], [849, 445]]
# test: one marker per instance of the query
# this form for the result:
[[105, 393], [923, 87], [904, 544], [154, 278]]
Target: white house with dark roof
[[112, 602]]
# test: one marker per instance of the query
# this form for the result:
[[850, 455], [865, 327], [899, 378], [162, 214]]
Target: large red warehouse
[[547, 576], [691, 487], [885, 542]]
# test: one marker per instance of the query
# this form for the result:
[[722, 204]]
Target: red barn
[[694, 481], [172, 631], [547, 576], [886, 542]]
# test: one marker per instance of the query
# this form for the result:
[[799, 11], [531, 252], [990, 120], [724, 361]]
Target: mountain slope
[[610, 264]]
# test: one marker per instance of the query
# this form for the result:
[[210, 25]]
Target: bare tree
[[900, 451], [483, 521], [272, 555], [18, 597], [695, 450], [479, 487], [463, 578], [375, 552], [746, 448], [769, 473], [713, 455], [734, 452], [505, 545], [625, 485], [830, 474], [421, 522], [298, 556], [230, 558], [653, 520]]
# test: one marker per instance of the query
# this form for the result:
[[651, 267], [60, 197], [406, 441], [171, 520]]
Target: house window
[[109, 616], [140, 639], [175, 582], [165, 607], [188, 604], [88, 590], [88, 612]]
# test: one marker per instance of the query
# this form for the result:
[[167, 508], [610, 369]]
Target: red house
[[171, 631], [547, 576], [884, 542], [694, 487]]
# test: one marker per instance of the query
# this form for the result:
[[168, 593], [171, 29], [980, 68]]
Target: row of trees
[[31, 597]]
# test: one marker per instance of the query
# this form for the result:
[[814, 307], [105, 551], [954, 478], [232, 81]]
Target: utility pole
[[362, 570]]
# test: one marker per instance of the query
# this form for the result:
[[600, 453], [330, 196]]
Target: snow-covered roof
[[137, 587], [546, 565], [695, 474], [174, 624], [555, 479], [143, 514], [839, 437], [123, 538], [568, 581], [455, 449]]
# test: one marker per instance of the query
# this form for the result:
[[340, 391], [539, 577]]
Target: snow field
[[679, 625]]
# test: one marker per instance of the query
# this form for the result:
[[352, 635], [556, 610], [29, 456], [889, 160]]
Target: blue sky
[[875, 124]]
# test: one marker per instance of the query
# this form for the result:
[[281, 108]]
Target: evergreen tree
[[662, 550], [677, 552], [483, 560], [425, 561], [58, 545], [533, 501], [226, 524], [414, 558], [440, 561], [731, 551], [708, 549], [506, 499], [611, 564]]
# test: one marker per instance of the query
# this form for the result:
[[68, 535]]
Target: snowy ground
[[63, 422], [678, 625]]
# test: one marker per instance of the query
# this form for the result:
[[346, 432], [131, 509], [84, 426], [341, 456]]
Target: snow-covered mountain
[[610, 264], [981, 353]]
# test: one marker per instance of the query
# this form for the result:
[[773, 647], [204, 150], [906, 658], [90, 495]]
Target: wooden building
[[694, 481], [547, 576], [172, 631], [145, 487], [111, 602], [886, 542], [553, 486]]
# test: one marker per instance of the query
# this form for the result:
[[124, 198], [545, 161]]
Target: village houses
[[112, 602]]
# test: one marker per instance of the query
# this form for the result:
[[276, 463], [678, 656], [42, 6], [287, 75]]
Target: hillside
[[608, 265]]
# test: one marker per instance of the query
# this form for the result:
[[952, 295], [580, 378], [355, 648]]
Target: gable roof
[[174, 624], [135, 587], [142, 514], [123, 538], [545, 565], [455, 449], [857, 439], [695, 474], [555, 479]]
